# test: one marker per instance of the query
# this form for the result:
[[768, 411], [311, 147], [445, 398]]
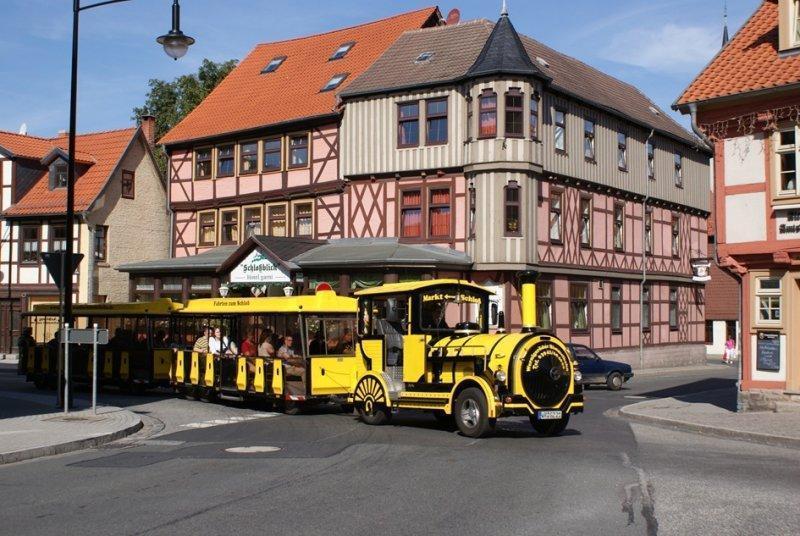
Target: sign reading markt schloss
[[257, 268], [790, 224]]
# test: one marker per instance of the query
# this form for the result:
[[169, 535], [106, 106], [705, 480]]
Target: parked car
[[596, 370]]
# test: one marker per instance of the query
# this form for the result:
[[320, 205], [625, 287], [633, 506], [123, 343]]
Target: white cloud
[[668, 48]]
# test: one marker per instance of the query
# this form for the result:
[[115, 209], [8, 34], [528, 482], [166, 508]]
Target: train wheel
[[370, 402], [550, 428], [472, 413]]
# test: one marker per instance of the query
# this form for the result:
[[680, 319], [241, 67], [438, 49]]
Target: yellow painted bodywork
[[259, 382], [332, 375], [163, 306], [412, 286], [208, 374], [124, 365], [414, 369], [194, 371], [528, 304], [322, 302], [180, 367], [162, 364], [108, 365], [241, 374], [371, 350], [277, 376]]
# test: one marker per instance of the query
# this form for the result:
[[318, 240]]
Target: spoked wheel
[[550, 428], [472, 413], [614, 381], [371, 402]]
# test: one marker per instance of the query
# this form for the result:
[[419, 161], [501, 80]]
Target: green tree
[[170, 102]]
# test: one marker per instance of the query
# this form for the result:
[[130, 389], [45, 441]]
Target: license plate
[[549, 415]]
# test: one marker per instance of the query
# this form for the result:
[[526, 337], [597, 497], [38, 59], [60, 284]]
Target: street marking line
[[230, 420], [251, 450]]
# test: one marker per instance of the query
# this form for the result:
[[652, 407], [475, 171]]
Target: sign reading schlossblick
[[257, 268]]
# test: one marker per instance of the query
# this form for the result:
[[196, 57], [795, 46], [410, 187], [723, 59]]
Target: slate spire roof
[[504, 53]]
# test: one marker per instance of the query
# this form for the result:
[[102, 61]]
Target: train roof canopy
[[413, 286]]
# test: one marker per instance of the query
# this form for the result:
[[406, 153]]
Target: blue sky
[[657, 46]]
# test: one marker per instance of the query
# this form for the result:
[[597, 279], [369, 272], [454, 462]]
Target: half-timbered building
[[121, 216], [747, 103], [474, 137], [259, 155]]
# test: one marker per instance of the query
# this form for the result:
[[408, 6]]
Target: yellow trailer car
[[426, 346], [292, 350], [138, 354]]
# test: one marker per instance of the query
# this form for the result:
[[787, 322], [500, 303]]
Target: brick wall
[[722, 295]]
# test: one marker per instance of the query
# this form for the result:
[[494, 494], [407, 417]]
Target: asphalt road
[[334, 475]]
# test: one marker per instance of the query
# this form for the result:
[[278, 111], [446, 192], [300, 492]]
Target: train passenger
[[345, 345], [317, 344], [265, 346], [249, 348], [220, 345], [201, 344], [294, 363]]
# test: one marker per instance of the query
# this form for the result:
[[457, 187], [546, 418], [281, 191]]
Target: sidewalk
[[711, 364], [714, 413], [42, 432]]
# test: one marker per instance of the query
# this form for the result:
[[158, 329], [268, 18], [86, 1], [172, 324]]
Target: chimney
[[148, 123]]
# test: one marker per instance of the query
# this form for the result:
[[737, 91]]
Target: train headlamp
[[578, 376], [500, 376]]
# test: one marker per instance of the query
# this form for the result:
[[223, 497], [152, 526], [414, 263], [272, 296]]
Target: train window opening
[[330, 335], [445, 310]]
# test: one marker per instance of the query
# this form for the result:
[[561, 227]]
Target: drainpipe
[[644, 257]]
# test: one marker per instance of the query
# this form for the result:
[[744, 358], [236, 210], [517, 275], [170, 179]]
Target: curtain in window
[[411, 214], [440, 221], [579, 306], [544, 303]]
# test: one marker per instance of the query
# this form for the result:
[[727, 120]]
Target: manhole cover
[[252, 450]]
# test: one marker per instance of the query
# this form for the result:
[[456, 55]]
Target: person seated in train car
[[117, 340], [332, 345], [220, 345], [433, 313], [345, 345], [295, 366], [24, 343], [317, 344], [249, 348], [201, 345], [52, 344], [265, 346]]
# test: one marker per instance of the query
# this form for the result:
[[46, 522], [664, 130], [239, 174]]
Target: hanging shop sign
[[258, 268], [701, 270]]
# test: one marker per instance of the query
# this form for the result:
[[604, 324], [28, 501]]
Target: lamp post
[[175, 44]]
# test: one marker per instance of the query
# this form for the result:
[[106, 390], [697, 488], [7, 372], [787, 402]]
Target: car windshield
[[443, 310], [582, 352]]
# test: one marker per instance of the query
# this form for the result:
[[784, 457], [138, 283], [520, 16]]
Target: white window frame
[[787, 149], [769, 294]]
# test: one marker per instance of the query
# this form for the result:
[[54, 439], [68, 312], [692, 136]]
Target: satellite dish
[[453, 17], [23, 129]]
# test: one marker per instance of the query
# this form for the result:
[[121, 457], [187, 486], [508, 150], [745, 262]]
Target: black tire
[[371, 402], [614, 381], [347, 409], [208, 394], [471, 413], [550, 428]]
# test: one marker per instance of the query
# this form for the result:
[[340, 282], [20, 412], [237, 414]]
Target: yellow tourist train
[[421, 346]]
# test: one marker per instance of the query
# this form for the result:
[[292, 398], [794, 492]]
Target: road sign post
[[94, 371], [65, 338]]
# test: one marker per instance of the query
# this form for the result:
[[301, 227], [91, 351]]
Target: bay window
[[512, 212], [487, 118], [436, 121], [514, 114], [408, 124]]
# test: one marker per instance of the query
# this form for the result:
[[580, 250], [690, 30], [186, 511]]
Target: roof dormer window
[[342, 51], [58, 174], [788, 25], [273, 64], [425, 57], [334, 82]]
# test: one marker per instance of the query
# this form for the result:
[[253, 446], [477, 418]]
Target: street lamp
[[175, 45]]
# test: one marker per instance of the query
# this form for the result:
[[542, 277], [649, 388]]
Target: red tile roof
[[749, 62], [247, 99], [105, 149], [24, 146]]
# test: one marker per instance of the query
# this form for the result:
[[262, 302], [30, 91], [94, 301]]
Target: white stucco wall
[[744, 160], [745, 218]]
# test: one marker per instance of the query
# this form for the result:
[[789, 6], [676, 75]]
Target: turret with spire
[[725, 37]]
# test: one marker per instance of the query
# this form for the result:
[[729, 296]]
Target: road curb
[[716, 431], [70, 446]]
